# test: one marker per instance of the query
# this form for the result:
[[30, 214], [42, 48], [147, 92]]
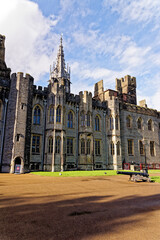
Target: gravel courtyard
[[97, 208]]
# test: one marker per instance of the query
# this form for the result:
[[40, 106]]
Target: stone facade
[[52, 129]]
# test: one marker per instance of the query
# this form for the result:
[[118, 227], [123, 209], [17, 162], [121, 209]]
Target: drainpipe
[[93, 153], [77, 143], [43, 141], [2, 139], [105, 144]]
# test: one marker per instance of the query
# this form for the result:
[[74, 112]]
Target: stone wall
[[142, 134]]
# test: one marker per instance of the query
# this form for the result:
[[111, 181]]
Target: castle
[[52, 129]]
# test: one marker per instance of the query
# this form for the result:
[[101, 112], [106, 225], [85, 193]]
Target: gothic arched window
[[112, 148], [51, 114], [36, 144], [69, 146], [141, 148], [88, 119], [97, 123], [150, 125], [82, 119], [88, 146], [97, 147], [111, 123], [58, 145], [118, 148], [139, 123], [152, 148], [82, 146], [128, 121], [37, 115], [58, 114], [50, 145], [70, 120], [117, 122]]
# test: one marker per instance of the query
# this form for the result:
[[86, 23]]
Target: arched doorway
[[17, 165]]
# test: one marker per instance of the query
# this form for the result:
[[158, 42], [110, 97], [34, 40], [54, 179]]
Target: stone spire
[[60, 61], [59, 70]]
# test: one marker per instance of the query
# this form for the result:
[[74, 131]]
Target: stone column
[[22, 166], [53, 154], [105, 142], [3, 129], [12, 166], [77, 135], [43, 137], [62, 154], [115, 156]]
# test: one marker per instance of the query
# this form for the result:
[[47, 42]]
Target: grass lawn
[[77, 173], [155, 179], [91, 173], [154, 171]]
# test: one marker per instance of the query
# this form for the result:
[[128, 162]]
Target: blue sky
[[105, 39]]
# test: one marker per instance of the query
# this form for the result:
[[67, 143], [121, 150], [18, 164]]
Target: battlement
[[141, 110], [109, 94], [85, 94], [72, 98], [2, 48], [142, 103], [98, 104], [2, 41], [39, 90], [4, 71], [123, 84], [127, 86], [22, 75], [98, 88]]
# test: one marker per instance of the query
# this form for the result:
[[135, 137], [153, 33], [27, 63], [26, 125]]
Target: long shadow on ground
[[71, 219]]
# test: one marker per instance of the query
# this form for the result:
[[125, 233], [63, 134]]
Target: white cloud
[[152, 101], [101, 43], [135, 10], [74, 8], [127, 54], [66, 5], [88, 76], [134, 57], [151, 91], [29, 41]]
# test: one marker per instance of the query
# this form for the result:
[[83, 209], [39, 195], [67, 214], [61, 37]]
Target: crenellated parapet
[[123, 84], [40, 91], [98, 104], [98, 88], [72, 98], [126, 87], [110, 94], [140, 110], [2, 48], [85, 101], [4, 71]]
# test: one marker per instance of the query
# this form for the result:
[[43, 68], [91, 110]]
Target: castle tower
[[59, 71], [127, 88], [4, 93], [4, 71], [2, 48], [18, 122]]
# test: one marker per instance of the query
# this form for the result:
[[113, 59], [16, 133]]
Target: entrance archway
[[17, 165]]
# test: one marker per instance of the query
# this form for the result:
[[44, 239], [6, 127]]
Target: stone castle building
[[52, 129]]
